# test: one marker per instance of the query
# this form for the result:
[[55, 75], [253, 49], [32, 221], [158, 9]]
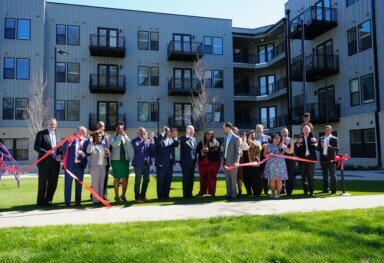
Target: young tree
[[39, 105]]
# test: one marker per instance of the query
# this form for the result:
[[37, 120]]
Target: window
[[10, 28], [352, 42], [60, 72], [9, 68], [217, 45], [268, 117], [218, 79], [354, 91], [18, 148], [61, 35], [73, 110], [266, 85], [143, 112], [350, 2], [365, 41], [363, 143], [23, 29], [8, 107], [143, 78], [367, 89], [154, 76], [154, 111], [214, 113], [60, 110], [207, 45], [155, 41], [73, 72], [143, 40], [21, 106], [73, 33], [208, 78], [22, 68]]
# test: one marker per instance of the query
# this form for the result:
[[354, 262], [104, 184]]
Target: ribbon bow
[[340, 160]]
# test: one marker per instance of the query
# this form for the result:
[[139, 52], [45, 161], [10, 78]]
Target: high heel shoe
[[117, 199], [123, 198]]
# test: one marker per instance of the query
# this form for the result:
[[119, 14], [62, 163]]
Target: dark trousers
[[141, 172], [188, 172], [47, 182], [105, 191], [78, 170], [252, 180], [290, 183], [264, 180], [307, 173], [329, 170], [164, 180]]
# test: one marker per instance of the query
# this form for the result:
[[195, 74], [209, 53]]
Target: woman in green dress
[[120, 160]]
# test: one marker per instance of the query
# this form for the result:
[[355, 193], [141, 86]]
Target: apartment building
[[337, 41]]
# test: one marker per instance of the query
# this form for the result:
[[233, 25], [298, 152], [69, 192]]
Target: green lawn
[[338, 236], [24, 198]]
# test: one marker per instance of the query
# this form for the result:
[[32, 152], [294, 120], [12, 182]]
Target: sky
[[244, 13]]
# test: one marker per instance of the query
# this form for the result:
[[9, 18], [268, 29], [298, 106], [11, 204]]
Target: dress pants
[[141, 172], [290, 183], [78, 170], [329, 170], [47, 181], [188, 172], [307, 173], [98, 179], [231, 183], [252, 180], [164, 180]]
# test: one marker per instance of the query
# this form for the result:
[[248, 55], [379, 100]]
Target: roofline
[[140, 11], [263, 33]]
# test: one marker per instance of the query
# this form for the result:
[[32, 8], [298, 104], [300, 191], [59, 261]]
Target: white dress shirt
[[326, 144]]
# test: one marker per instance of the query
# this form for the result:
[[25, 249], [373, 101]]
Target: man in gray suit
[[231, 157]]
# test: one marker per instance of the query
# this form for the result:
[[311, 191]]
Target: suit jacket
[[70, 150], [333, 148], [142, 150], [43, 142], [300, 148], [213, 150], [233, 150], [115, 144], [165, 154], [187, 150], [95, 154]]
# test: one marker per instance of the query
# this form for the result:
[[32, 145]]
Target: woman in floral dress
[[275, 168]]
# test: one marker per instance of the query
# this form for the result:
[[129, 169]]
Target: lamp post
[[158, 115], [61, 52]]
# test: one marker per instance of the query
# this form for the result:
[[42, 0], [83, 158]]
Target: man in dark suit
[[188, 160], [306, 148], [49, 168], [328, 148], [263, 139], [166, 142]]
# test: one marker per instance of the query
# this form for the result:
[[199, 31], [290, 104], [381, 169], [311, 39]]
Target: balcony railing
[[249, 58], [246, 90], [181, 123], [317, 67], [110, 121], [107, 46], [317, 20], [185, 51], [112, 84], [320, 113], [271, 123], [183, 87]]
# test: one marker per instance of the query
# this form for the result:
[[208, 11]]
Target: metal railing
[[105, 83], [250, 58], [314, 14], [247, 90], [110, 121], [106, 41]]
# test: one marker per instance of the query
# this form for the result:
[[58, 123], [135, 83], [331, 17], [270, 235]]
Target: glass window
[[207, 45], [155, 41], [73, 72], [21, 106], [60, 110], [9, 68], [217, 45], [143, 78], [218, 79], [73, 33], [367, 89], [60, 72], [10, 28], [8, 106], [363, 143], [154, 111], [21, 149], [352, 42], [143, 40], [365, 41], [24, 29], [154, 76], [218, 112], [22, 68], [355, 92], [143, 111], [350, 2], [61, 35], [208, 78], [73, 110]]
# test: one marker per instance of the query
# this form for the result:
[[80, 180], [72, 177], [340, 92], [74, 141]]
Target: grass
[[24, 198], [338, 236]]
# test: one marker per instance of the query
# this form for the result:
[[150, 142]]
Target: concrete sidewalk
[[176, 212]]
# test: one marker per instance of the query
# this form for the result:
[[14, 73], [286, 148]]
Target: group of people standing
[[101, 151]]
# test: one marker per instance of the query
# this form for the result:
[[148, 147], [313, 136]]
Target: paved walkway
[[175, 212]]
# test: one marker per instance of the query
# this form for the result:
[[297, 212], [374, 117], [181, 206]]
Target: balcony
[[271, 123], [320, 113], [278, 88], [185, 51], [181, 123], [110, 121], [317, 67], [110, 84], [317, 21], [183, 87], [104, 46]]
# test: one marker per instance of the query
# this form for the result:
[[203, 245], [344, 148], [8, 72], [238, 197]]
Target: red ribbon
[[340, 160]]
